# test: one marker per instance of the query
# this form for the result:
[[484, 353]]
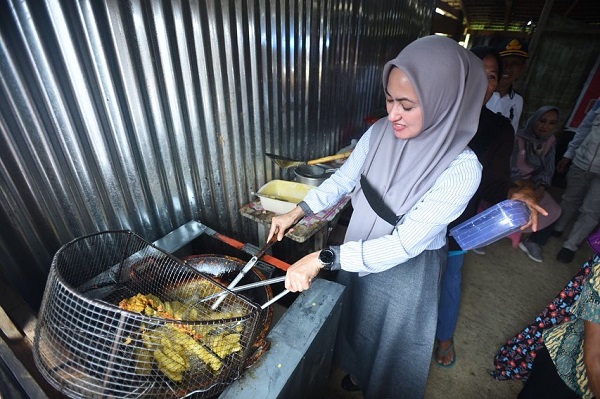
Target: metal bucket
[[312, 175]]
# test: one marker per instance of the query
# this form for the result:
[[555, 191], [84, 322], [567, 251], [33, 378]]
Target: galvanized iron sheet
[[143, 115]]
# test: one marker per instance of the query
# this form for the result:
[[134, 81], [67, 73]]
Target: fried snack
[[174, 347], [168, 366], [137, 303], [191, 347], [144, 357], [224, 344]]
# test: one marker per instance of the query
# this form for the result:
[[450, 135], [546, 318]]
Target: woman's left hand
[[300, 274], [528, 195]]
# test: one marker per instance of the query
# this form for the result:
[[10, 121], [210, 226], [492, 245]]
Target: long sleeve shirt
[[423, 227], [582, 131], [584, 149]]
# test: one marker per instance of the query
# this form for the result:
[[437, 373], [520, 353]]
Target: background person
[[514, 360], [493, 145], [506, 101], [583, 184], [568, 363], [533, 164], [410, 175]]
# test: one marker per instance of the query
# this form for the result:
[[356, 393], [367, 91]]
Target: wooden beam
[[8, 328], [539, 29], [465, 14], [17, 310], [446, 25], [448, 8], [573, 5], [541, 26], [588, 30], [20, 374], [489, 32], [507, 13]]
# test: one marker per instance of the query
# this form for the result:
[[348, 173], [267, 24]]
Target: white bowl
[[281, 196]]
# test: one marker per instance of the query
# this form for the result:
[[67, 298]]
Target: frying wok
[[224, 269]]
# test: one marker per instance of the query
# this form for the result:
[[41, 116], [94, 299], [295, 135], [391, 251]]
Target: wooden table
[[316, 227]]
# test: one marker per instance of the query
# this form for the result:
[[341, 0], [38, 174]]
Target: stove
[[302, 338], [297, 364]]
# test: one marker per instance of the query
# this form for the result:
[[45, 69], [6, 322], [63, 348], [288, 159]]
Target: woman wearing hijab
[[410, 175], [533, 165]]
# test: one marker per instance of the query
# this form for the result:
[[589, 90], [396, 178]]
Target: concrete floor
[[503, 291]]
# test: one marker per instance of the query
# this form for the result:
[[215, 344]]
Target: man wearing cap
[[505, 100]]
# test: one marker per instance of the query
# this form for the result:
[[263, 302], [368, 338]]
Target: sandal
[[348, 385], [440, 353]]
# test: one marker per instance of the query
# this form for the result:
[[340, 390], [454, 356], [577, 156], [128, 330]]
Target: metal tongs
[[242, 273], [253, 285]]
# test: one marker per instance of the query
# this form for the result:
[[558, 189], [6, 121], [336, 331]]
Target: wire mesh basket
[[121, 318]]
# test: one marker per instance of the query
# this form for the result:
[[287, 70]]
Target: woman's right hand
[[281, 223]]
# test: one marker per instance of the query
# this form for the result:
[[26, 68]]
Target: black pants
[[544, 381], [541, 237]]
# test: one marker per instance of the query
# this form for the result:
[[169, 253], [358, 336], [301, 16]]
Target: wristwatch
[[326, 257]]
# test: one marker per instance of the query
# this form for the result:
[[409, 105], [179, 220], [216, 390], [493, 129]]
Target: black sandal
[[348, 385]]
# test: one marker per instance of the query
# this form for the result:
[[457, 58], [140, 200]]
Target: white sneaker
[[532, 250]]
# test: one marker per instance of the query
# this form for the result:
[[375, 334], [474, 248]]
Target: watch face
[[327, 256]]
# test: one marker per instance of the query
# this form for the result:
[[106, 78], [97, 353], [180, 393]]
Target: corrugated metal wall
[[563, 59], [144, 114]]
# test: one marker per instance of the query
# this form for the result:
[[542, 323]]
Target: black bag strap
[[377, 204]]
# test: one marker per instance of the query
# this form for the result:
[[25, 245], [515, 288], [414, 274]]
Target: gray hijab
[[528, 133], [534, 145], [450, 83]]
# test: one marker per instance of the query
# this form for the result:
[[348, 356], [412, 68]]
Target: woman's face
[[403, 107], [491, 69], [546, 125]]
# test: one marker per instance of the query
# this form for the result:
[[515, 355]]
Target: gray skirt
[[387, 327]]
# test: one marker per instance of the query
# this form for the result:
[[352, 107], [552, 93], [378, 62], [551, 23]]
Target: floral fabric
[[515, 359], [565, 342]]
